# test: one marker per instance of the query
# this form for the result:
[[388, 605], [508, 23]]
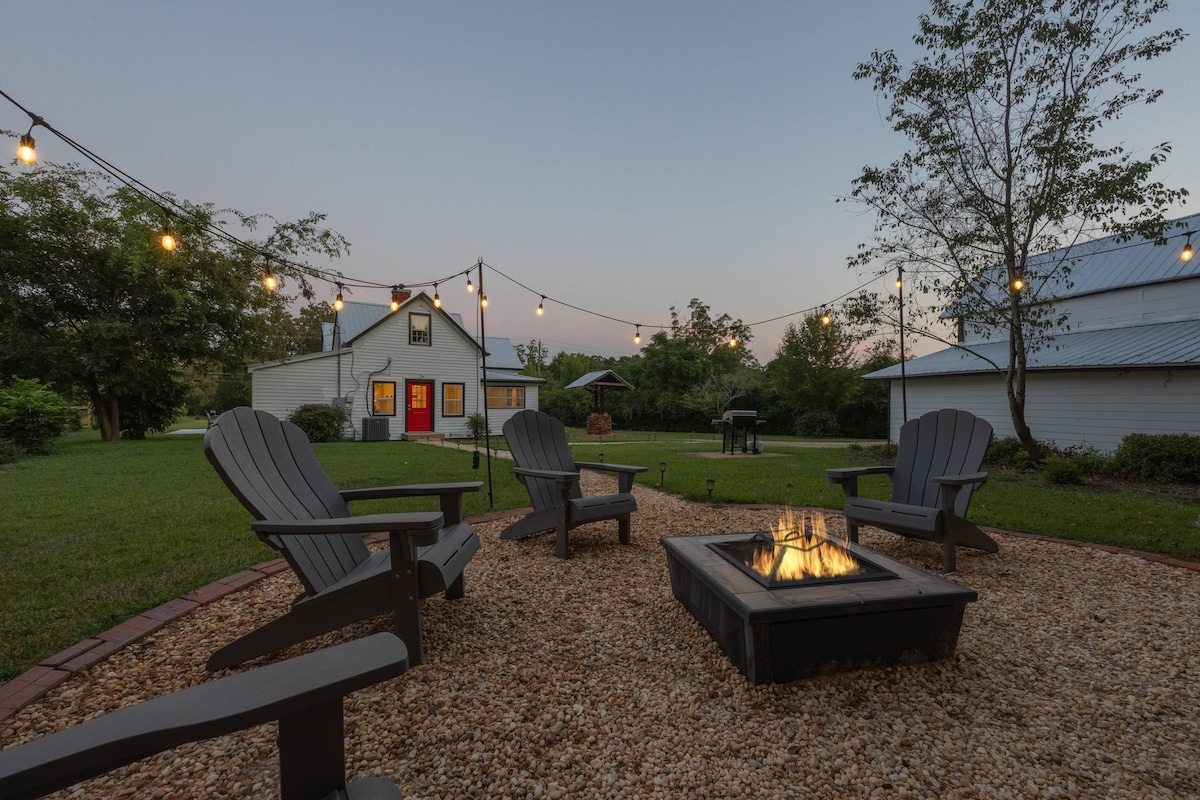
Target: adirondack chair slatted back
[[270, 467], [539, 441], [945, 442]]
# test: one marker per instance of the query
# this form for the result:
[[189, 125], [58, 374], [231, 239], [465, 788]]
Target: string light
[[826, 317], [167, 240], [1018, 283], [733, 341], [483, 301], [338, 304], [541, 309], [269, 280], [437, 301], [637, 334], [26, 152], [1186, 255], [470, 286], [395, 302]]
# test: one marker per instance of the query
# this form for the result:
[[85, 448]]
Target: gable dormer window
[[418, 329]]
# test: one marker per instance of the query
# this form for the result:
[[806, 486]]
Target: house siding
[[1095, 409], [382, 353]]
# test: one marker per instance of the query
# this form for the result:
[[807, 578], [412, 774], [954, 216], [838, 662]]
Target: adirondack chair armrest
[[420, 527], [979, 478], [624, 472], [847, 477], [953, 484], [448, 494], [552, 474], [304, 693]]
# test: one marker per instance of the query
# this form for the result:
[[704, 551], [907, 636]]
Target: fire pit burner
[[805, 627], [798, 560]]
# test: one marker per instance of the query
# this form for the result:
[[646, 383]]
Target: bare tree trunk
[[1014, 379], [108, 415]]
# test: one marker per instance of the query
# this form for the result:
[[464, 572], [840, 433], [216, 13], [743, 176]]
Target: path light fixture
[[710, 483], [601, 457], [662, 472]]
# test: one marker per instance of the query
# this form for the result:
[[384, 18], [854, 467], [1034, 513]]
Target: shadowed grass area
[[100, 532]]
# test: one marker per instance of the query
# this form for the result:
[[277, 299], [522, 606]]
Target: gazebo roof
[[602, 379]]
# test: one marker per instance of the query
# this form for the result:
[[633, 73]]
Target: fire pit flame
[[799, 548]]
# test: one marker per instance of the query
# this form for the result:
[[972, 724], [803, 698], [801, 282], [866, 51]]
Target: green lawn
[[98, 533]]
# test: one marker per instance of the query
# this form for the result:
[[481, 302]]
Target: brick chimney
[[400, 294]]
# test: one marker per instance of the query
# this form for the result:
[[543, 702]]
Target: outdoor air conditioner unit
[[375, 429]]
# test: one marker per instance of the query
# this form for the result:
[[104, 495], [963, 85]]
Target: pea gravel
[[1077, 675]]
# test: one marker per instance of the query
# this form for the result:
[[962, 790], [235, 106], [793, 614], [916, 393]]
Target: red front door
[[418, 413]]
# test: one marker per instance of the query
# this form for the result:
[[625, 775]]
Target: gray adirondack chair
[[936, 471], [538, 443], [304, 693], [270, 466]]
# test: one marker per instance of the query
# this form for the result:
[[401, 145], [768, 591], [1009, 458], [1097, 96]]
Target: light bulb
[[1018, 284], [270, 282], [541, 310], [337, 302], [167, 240], [26, 152], [637, 335], [395, 304], [899, 283], [826, 319], [437, 301], [733, 341], [483, 301], [470, 286], [1186, 255]]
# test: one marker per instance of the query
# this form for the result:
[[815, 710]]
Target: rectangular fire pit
[[890, 612]]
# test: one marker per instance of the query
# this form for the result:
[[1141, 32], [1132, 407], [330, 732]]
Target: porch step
[[422, 436]]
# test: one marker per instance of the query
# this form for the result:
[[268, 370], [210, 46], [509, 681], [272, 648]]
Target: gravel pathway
[[1077, 675]]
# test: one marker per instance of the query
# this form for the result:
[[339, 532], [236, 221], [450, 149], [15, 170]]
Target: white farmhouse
[[1126, 361], [403, 374]]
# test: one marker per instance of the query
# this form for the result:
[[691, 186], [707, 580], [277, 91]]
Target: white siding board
[[1072, 409]]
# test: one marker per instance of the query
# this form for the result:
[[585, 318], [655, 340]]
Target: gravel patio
[[1077, 675]]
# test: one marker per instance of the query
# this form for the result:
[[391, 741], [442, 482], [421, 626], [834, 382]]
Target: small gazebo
[[599, 423]]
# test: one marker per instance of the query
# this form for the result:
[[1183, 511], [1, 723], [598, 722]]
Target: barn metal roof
[[1165, 344], [1103, 264]]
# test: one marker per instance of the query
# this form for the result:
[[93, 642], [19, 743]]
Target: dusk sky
[[620, 157]]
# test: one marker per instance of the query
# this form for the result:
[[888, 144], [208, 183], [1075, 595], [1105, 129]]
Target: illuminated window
[[506, 397], [384, 398], [418, 329], [452, 399]]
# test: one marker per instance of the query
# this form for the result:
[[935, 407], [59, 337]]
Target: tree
[[533, 356], [812, 375], [716, 393], [90, 303], [1003, 116]]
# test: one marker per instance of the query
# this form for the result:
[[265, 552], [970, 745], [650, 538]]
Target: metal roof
[[1100, 265], [501, 354], [495, 376], [1165, 344], [604, 378]]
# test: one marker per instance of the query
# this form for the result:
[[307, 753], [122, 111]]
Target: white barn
[[1126, 361], [399, 374]]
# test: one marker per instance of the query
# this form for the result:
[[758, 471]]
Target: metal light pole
[[487, 427], [903, 383]]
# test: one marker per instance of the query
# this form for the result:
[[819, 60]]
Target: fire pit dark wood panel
[[780, 634]]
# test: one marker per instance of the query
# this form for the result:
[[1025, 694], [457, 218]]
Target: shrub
[[1062, 471], [1009, 452], [476, 426], [1089, 460], [1166, 458], [9, 452], [816, 423], [32, 416], [320, 422]]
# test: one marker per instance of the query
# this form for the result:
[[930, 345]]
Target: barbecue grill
[[739, 430]]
